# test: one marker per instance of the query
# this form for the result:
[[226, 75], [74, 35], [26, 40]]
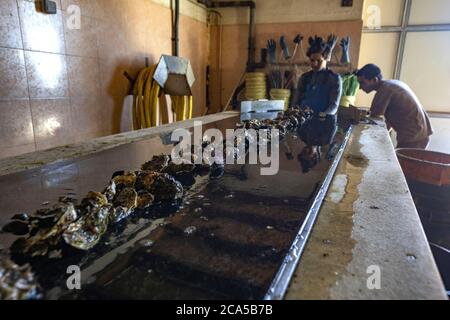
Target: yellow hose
[[190, 107], [145, 101], [154, 104], [184, 108], [151, 107], [138, 103]]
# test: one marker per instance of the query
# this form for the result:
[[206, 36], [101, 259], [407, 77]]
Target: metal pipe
[[414, 28], [219, 67], [382, 30], [217, 23], [175, 29], [227, 4], [402, 41], [251, 41]]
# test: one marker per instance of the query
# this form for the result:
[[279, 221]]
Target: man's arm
[[335, 94], [380, 103]]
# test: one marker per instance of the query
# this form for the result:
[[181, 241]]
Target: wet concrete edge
[[368, 219]]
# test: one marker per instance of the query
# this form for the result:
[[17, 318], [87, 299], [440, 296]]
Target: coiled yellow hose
[[145, 101]]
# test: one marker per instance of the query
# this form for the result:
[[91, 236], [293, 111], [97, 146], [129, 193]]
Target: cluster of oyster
[[287, 121], [81, 226], [17, 283]]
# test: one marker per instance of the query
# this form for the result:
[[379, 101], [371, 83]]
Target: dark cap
[[370, 71]]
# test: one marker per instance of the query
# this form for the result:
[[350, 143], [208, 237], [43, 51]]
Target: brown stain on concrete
[[358, 161], [330, 247]]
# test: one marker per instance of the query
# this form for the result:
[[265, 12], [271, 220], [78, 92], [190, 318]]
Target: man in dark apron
[[320, 89]]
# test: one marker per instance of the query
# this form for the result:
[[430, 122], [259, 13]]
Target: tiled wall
[[59, 86]]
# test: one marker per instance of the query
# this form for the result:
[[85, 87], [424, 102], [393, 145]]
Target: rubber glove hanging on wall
[[345, 45], [284, 48], [331, 43], [272, 49]]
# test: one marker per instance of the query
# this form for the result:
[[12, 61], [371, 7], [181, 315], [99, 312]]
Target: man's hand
[[322, 114]]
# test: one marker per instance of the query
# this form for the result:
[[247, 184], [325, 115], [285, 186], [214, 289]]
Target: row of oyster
[[82, 226]]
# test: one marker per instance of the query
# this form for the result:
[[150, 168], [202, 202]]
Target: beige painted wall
[[389, 11], [379, 49], [189, 8], [285, 11]]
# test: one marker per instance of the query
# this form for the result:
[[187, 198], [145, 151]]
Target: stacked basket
[[255, 86], [281, 94]]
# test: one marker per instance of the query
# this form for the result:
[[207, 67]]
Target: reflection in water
[[49, 69], [316, 133], [51, 124]]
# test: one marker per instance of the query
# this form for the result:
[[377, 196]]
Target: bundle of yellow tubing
[[146, 95]]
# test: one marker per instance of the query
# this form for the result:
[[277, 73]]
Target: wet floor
[[226, 238]]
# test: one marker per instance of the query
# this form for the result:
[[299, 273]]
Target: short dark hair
[[370, 71], [317, 45]]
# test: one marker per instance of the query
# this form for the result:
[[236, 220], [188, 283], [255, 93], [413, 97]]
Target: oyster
[[145, 180], [174, 169], [110, 191], [183, 172], [124, 203], [282, 127], [16, 282], [44, 238], [145, 200], [252, 124], [125, 180], [165, 187], [294, 123], [158, 163], [94, 200], [126, 198], [85, 233]]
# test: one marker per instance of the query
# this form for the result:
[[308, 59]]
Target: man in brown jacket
[[400, 107]]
